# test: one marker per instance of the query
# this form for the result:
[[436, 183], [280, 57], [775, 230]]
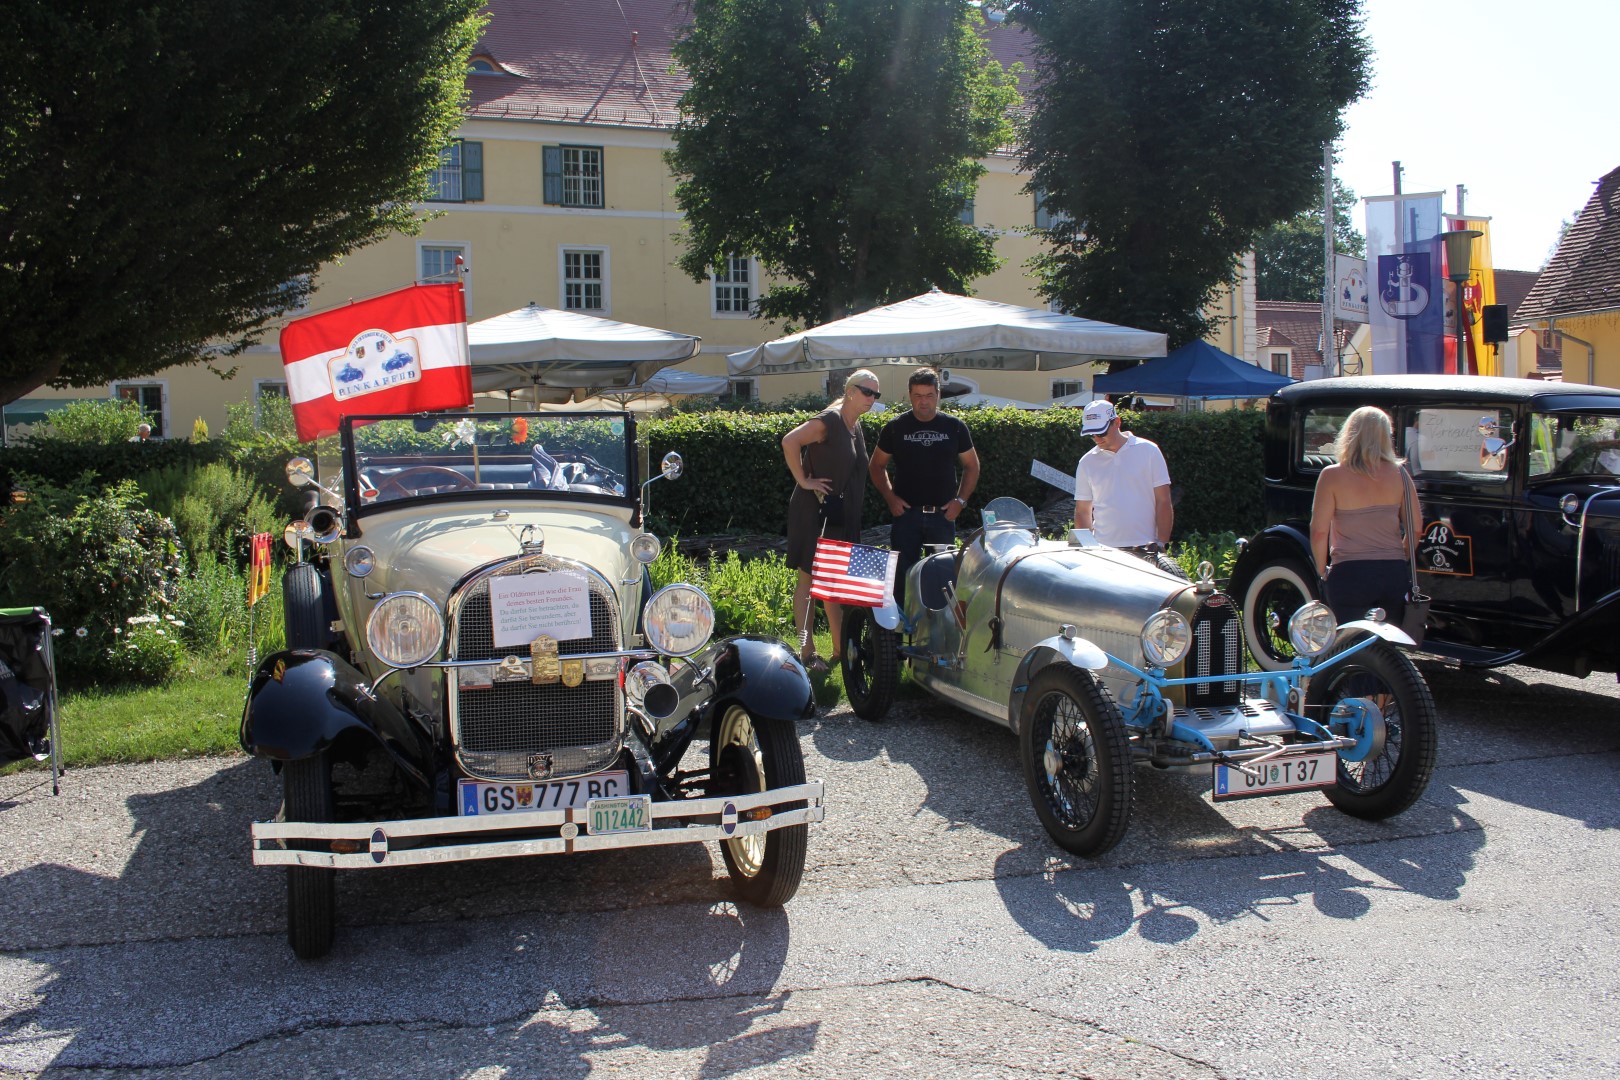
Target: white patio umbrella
[[545, 348], [961, 331]]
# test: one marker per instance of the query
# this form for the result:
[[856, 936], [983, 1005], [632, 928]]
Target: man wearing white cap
[[1122, 488]]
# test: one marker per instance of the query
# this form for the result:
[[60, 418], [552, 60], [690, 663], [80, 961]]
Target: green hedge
[[737, 481]]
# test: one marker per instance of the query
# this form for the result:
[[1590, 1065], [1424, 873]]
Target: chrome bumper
[[457, 839]]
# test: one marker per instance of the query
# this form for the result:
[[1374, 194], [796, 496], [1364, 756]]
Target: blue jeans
[[910, 531]]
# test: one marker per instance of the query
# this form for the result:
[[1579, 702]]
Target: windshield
[[584, 454], [1575, 444]]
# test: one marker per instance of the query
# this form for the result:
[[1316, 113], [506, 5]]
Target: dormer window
[[483, 65]]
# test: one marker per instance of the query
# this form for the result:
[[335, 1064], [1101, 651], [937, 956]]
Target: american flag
[[853, 573]]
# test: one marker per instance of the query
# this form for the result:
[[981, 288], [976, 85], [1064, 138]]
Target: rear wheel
[[304, 607], [1395, 774], [752, 754], [1276, 591], [306, 787], [871, 663], [1077, 760]]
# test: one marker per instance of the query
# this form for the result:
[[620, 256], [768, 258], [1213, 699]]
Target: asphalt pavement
[[938, 933]]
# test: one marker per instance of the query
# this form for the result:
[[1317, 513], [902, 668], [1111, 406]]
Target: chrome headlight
[[679, 620], [1166, 637], [1312, 628], [645, 548], [405, 630], [359, 561]]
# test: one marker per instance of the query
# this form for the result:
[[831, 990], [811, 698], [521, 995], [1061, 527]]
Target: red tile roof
[[1584, 274], [1281, 324]]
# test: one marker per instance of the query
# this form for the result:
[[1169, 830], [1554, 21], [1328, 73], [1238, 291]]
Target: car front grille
[[1217, 649], [517, 730]]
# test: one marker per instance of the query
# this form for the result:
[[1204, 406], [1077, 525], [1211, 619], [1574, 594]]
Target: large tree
[[1169, 133], [837, 141], [1288, 255], [172, 170]]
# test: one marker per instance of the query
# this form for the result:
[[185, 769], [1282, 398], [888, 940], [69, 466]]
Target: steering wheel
[[395, 486]]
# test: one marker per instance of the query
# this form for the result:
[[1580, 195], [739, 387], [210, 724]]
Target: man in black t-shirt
[[926, 497]]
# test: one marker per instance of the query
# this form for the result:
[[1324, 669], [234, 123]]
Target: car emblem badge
[[573, 673], [510, 667], [543, 654], [540, 766]]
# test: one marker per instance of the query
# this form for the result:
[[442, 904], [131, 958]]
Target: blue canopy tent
[[1196, 370]]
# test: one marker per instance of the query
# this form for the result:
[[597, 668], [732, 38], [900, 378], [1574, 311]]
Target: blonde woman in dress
[[827, 457], [1360, 536]]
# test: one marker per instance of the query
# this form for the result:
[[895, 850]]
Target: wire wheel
[[1395, 777], [1077, 760], [871, 663], [1270, 599]]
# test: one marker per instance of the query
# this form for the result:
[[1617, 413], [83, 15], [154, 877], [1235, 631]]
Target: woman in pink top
[[1359, 531]]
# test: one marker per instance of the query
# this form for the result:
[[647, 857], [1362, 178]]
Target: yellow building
[[556, 193], [1575, 304]]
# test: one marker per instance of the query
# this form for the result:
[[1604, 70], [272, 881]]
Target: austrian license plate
[[482, 797], [631, 813], [1276, 775]]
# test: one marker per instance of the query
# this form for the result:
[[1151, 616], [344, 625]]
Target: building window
[[573, 175], [734, 286], [1062, 388], [149, 396], [1045, 218], [585, 279], [742, 390], [1281, 362], [267, 390], [460, 173], [965, 214], [437, 263]]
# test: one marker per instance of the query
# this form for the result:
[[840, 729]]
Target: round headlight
[[679, 620], [1312, 628], [405, 630], [645, 548], [1165, 637], [359, 561]]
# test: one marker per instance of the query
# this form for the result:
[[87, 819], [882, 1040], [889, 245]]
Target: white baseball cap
[[1098, 415]]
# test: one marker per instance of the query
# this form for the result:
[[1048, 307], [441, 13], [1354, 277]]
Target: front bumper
[[546, 832]]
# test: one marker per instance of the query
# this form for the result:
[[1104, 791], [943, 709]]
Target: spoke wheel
[[303, 604], [1269, 600], [753, 754], [1394, 779], [871, 663], [311, 892], [1077, 760]]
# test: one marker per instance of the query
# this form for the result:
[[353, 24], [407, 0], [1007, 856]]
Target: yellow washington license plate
[[632, 813]]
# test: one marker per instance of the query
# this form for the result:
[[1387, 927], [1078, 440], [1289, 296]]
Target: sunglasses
[[868, 391]]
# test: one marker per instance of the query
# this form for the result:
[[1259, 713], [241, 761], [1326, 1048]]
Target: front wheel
[[311, 891], [1077, 760], [871, 663], [1277, 590], [302, 603], [752, 754], [1393, 776]]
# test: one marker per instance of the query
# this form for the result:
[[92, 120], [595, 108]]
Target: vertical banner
[[1350, 288], [1475, 358], [258, 568], [1405, 303]]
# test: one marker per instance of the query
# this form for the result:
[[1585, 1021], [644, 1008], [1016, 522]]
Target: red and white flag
[[401, 353], [853, 573]]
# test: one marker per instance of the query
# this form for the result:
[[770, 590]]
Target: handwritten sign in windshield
[[1450, 440], [524, 606]]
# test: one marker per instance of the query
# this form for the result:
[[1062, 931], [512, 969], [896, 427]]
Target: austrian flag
[[853, 573], [405, 352]]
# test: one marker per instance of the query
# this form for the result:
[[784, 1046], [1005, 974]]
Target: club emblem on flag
[[360, 369], [853, 573]]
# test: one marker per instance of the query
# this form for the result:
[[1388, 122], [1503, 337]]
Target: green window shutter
[[472, 172], [551, 162]]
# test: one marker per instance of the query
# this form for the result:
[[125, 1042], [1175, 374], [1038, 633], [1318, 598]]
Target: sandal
[[815, 665]]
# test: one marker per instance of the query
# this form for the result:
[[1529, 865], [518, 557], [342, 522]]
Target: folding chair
[[28, 714]]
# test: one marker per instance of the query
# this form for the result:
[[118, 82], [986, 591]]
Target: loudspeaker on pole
[[1494, 321]]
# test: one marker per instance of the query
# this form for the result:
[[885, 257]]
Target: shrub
[[214, 621], [94, 421], [95, 559], [753, 597], [214, 506]]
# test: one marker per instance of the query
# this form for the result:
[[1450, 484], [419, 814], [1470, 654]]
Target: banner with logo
[[1476, 357], [1406, 296], [401, 353], [1349, 288]]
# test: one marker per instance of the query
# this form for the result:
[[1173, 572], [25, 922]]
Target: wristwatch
[[960, 500]]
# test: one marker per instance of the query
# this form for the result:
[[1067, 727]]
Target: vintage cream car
[[477, 625]]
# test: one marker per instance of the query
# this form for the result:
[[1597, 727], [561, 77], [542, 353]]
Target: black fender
[[763, 675], [1291, 541], [1569, 641], [302, 701]]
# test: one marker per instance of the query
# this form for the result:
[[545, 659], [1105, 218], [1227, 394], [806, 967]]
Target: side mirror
[[672, 466], [301, 472]]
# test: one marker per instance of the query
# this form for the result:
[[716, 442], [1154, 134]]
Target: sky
[[1526, 117]]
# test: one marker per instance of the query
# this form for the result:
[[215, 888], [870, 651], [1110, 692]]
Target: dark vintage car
[[1519, 482], [478, 668], [1099, 661]]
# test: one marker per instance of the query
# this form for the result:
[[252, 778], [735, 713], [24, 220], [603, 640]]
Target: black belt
[[930, 509]]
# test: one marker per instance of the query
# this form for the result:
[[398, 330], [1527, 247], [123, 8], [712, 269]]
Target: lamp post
[[1459, 259]]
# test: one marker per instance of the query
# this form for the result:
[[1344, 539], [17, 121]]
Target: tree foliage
[[171, 171], [836, 141], [1288, 255], [1170, 132]]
